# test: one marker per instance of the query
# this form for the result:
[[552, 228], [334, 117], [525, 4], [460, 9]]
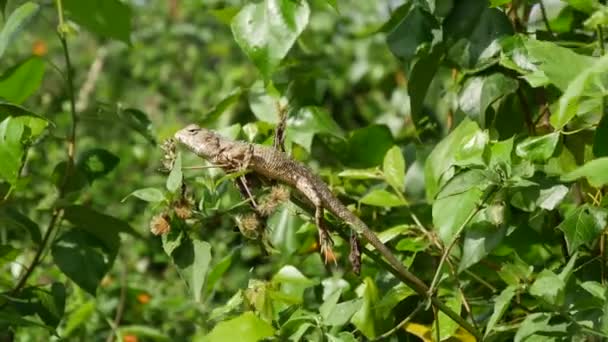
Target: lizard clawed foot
[[326, 243]]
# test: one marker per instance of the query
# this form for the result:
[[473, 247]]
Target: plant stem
[[446, 252], [52, 223], [71, 151], [421, 290]]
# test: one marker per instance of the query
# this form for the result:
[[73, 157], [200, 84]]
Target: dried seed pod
[[169, 147], [159, 225], [278, 194], [250, 225]]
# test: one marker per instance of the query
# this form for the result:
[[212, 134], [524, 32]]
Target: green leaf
[[549, 287], [15, 23], [472, 150], [550, 198], [449, 213], [107, 18], [309, 121], [21, 81], [584, 93], [11, 149], [96, 163], [103, 227], [137, 121], [586, 6], [35, 122], [382, 198], [144, 331], [437, 169], [538, 323], [422, 72], [48, 305], [496, 3], [282, 226], [292, 282], [192, 258], [83, 258], [228, 101], [393, 297], [501, 304], [267, 30], [152, 195], [500, 152], [472, 30], [600, 138], [175, 179], [264, 103], [216, 272], [479, 92], [394, 168], [412, 32], [542, 62], [583, 225], [11, 217], [7, 254], [246, 328], [367, 146], [342, 313], [483, 236], [538, 148], [595, 288], [447, 326], [596, 172], [365, 319]]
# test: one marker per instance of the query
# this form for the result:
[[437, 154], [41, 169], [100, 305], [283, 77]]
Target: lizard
[[274, 164]]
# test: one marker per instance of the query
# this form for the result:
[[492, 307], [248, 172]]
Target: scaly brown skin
[[274, 164]]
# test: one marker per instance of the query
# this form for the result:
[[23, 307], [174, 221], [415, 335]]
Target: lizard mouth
[[188, 131]]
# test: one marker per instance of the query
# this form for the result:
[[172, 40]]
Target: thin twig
[[460, 229], [401, 324], [71, 152], [91, 80], [120, 308]]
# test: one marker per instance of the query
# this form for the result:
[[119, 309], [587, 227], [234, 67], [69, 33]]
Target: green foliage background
[[473, 131]]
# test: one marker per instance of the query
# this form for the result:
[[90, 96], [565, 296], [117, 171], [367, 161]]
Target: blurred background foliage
[[371, 89]]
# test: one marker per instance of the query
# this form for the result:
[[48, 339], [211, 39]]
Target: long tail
[[361, 228]]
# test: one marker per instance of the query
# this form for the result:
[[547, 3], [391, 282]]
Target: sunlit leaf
[[538, 148], [595, 171], [394, 168], [583, 225], [266, 30], [247, 328], [382, 198]]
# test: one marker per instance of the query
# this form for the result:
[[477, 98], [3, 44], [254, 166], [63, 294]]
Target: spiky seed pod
[[169, 147], [159, 225], [278, 194], [250, 225], [183, 208]]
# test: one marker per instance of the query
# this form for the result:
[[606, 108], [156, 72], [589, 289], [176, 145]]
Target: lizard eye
[[193, 129]]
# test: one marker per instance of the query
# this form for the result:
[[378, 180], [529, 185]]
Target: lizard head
[[201, 141]]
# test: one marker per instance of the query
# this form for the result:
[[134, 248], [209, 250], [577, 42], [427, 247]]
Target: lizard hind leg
[[325, 241]]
